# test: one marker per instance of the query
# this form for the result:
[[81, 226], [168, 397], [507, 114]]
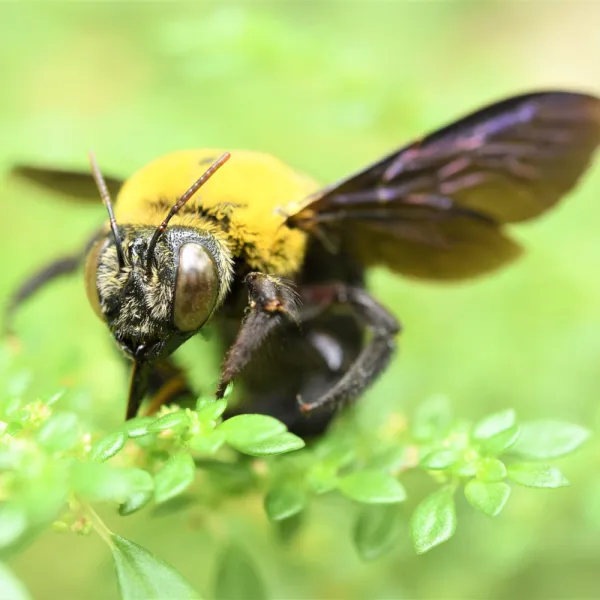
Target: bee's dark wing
[[435, 208], [75, 185]]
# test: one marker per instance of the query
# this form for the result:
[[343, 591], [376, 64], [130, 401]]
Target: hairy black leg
[[372, 359], [272, 303]]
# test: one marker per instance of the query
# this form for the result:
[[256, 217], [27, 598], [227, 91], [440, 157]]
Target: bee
[[244, 243]]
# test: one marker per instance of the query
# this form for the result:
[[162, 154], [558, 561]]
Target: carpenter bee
[[264, 254]]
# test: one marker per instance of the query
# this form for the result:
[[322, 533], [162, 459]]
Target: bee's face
[[153, 304]]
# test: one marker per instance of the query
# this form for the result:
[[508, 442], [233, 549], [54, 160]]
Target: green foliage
[[53, 470], [284, 501], [10, 586], [372, 487], [434, 520], [237, 577], [376, 530], [142, 576]]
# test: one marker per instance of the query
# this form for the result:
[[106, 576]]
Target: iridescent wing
[[435, 209]]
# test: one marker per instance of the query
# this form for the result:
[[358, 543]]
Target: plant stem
[[98, 524]]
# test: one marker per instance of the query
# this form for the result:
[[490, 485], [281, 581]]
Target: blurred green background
[[328, 87]]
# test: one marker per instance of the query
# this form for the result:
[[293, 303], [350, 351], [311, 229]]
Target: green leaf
[[11, 588], [488, 498], [59, 433], [206, 444], [376, 530], [432, 418], [490, 470], [138, 427], [284, 501], [466, 467], [232, 477], [135, 502], [493, 424], [13, 523], [246, 431], [433, 521], [278, 444], [174, 420], [322, 478], [10, 406], [108, 446], [439, 459], [499, 442], [544, 439], [212, 411], [143, 576], [537, 476], [237, 577], [13, 428], [104, 483], [288, 529], [372, 487], [174, 477]]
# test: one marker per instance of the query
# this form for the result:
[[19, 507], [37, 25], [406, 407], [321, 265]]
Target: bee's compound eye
[[91, 274], [196, 287]]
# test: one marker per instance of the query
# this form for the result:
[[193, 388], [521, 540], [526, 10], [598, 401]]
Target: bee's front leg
[[272, 303]]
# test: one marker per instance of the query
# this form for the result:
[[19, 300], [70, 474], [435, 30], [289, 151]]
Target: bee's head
[[156, 287]]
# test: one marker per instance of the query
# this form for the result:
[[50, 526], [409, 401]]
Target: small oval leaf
[[439, 459], [500, 442], [493, 424], [107, 446], [376, 530], [102, 482], [212, 411], [490, 470], [433, 521], [278, 444], [284, 501], [237, 577], [173, 420], [488, 498], [547, 438], [59, 433], [174, 477], [206, 444], [537, 476], [372, 487], [245, 431], [138, 427], [135, 502], [143, 576]]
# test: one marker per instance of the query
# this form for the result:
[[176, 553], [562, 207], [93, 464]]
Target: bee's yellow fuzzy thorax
[[244, 204]]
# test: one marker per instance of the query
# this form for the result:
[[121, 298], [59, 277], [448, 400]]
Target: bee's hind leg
[[273, 304], [374, 356]]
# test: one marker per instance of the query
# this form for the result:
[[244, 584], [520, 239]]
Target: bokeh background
[[328, 87]]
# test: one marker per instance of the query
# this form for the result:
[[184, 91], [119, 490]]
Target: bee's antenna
[[104, 194], [179, 204]]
